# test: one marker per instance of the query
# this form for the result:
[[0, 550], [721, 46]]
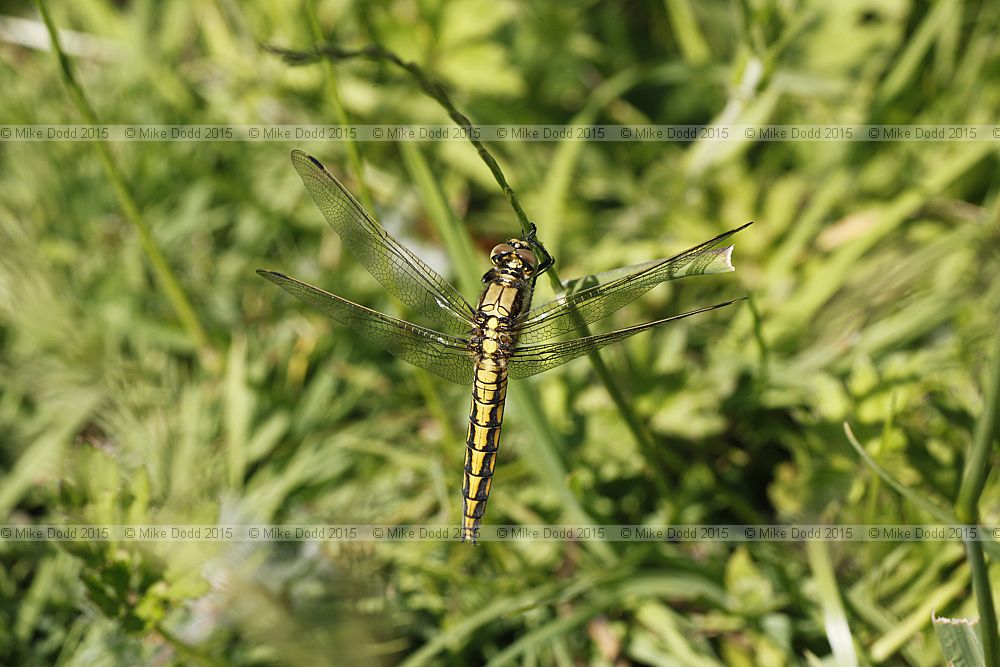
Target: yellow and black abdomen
[[482, 443], [494, 338]]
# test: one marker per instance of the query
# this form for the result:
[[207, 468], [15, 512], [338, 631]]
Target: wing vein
[[619, 287], [529, 360], [394, 265], [444, 355]]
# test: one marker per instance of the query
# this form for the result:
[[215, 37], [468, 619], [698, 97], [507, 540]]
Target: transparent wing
[[591, 298], [531, 359], [443, 355], [400, 271]]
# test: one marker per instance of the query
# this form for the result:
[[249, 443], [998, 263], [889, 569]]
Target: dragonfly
[[500, 338]]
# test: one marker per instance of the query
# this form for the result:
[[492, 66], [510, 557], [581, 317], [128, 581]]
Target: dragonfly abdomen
[[482, 442], [493, 342]]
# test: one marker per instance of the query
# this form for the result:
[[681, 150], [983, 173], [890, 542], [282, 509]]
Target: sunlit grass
[[871, 268]]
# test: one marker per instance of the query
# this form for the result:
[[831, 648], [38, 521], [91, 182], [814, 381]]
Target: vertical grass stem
[[168, 281]]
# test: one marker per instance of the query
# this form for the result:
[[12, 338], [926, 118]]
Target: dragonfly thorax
[[507, 295]]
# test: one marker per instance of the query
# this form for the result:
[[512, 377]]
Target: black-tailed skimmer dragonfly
[[502, 337]]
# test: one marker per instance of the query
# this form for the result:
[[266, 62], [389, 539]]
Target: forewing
[[400, 271], [438, 353], [594, 297], [531, 359]]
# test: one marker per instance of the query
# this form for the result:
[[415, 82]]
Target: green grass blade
[[455, 236], [902, 633], [687, 32], [168, 281], [939, 513], [838, 630], [960, 642], [977, 467], [339, 112]]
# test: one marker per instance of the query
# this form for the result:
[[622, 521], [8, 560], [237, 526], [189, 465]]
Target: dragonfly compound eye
[[528, 258], [500, 250]]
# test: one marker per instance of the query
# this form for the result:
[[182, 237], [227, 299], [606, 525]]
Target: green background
[[871, 269]]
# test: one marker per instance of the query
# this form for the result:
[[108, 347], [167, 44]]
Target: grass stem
[[688, 34], [164, 274], [977, 469], [977, 465]]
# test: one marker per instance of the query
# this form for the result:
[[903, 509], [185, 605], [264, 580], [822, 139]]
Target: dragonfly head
[[515, 255]]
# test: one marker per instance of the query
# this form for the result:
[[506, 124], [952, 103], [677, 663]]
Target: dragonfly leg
[[549, 261]]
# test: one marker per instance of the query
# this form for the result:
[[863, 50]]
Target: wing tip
[[726, 255], [716, 306], [299, 155]]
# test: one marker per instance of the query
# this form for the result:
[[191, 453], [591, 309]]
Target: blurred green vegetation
[[871, 270]]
